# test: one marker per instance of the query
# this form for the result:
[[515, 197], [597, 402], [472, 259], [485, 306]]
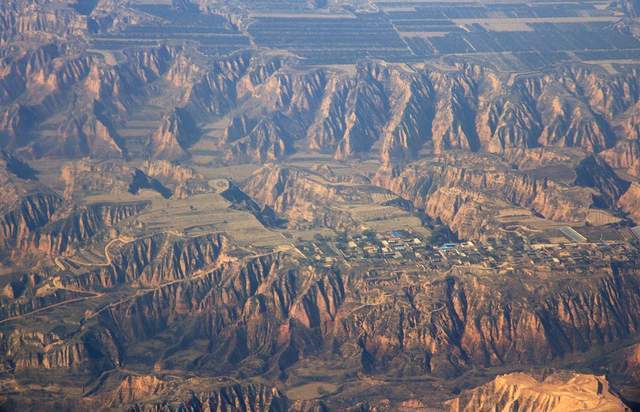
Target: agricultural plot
[[530, 35], [426, 25], [332, 40], [539, 60], [273, 6], [543, 39], [597, 217], [540, 230], [236, 173], [311, 377], [604, 234], [382, 218], [208, 213], [212, 32], [136, 130], [633, 54], [312, 390], [465, 10]]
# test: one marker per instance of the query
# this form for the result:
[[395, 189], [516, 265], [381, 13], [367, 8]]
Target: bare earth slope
[[560, 392]]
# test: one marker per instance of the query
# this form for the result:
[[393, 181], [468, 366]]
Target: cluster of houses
[[403, 247], [398, 244]]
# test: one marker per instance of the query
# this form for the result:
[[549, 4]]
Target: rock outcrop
[[264, 314], [562, 391], [625, 155], [268, 141], [117, 177], [630, 202], [80, 137], [268, 308], [379, 110], [39, 224], [230, 398], [304, 199], [31, 213], [468, 192], [111, 298], [174, 136]]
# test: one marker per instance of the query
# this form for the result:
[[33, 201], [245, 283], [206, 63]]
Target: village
[[404, 248]]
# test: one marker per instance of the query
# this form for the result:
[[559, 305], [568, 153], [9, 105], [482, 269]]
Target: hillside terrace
[[520, 36]]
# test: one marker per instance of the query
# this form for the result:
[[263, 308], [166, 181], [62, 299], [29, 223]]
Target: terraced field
[[517, 36], [208, 213]]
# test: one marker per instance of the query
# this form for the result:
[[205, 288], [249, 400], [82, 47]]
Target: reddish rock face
[[625, 155], [558, 392], [173, 137], [468, 192], [379, 110]]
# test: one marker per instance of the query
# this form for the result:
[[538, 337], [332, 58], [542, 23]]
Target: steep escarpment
[[238, 127], [124, 264], [118, 176], [217, 91], [81, 136], [254, 314], [244, 397], [406, 129], [630, 202], [263, 315], [364, 110], [242, 201], [561, 391], [40, 222], [28, 18], [305, 199], [385, 110], [135, 388], [31, 213], [277, 107], [12, 166], [544, 158], [452, 324], [594, 172], [629, 7], [34, 75], [81, 226], [140, 181], [17, 179], [34, 349], [81, 99], [467, 192], [568, 125], [293, 93], [259, 298], [183, 180], [267, 141], [177, 132], [151, 261], [474, 109], [123, 88], [471, 327], [137, 393], [287, 99], [625, 155]]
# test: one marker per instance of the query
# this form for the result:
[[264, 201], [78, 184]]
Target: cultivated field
[[533, 34], [208, 213], [386, 218]]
